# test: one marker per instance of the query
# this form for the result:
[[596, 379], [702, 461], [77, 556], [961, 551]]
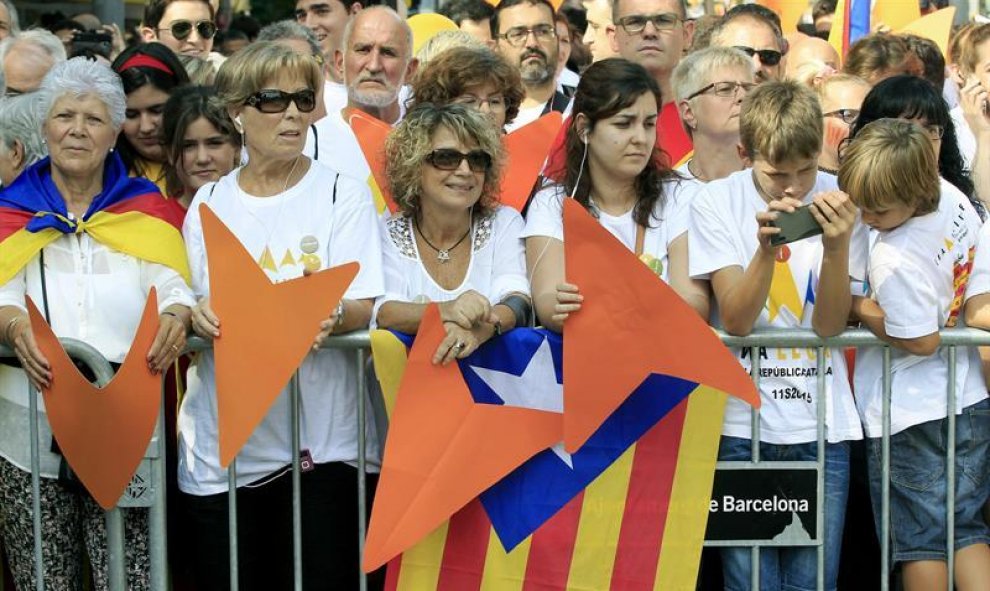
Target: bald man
[[807, 50]]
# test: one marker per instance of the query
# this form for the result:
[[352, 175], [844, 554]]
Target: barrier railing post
[[754, 447], [950, 470], [116, 561], [885, 475], [157, 519], [821, 410], [39, 565], [362, 465], [297, 574], [232, 524]]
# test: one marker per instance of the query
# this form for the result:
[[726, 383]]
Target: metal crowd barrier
[[360, 342]]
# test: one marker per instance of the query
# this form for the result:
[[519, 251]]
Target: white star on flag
[[536, 388]]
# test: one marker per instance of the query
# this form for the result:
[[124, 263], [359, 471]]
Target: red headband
[[141, 60]]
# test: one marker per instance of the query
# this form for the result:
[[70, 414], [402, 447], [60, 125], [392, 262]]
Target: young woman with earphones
[[616, 170]]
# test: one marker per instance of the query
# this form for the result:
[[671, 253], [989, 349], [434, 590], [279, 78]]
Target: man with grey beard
[[526, 36], [376, 58]]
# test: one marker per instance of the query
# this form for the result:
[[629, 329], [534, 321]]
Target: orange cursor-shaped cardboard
[[526, 149], [630, 325], [266, 330], [444, 449], [371, 134], [103, 433]]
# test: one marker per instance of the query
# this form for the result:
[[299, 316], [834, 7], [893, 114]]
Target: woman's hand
[[173, 324], [469, 310], [32, 360], [836, 214], [204, 322], [974, 100], [568, 301], [764, 220], [461, 342]]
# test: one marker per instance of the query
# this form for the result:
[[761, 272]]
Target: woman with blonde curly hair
[[475, 77], [452, 242]]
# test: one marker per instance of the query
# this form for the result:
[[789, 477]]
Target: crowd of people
[[887, 148]]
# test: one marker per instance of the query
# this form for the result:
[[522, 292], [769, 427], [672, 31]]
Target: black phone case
[[798, 225]]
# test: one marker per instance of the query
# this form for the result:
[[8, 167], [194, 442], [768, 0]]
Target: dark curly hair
[[449, 74], [910, 97], [607, 87]]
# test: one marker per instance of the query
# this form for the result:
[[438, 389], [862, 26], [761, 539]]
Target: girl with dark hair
[[915, 99], [200, 141], [614, 169], [149, 73]]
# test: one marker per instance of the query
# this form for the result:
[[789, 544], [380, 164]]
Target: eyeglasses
[[725, 89], [496, 102], [182, 29], [768, 57], [277, 101], [848, 116], [450, 159], [934, 132], [516, 36], [636, 23]]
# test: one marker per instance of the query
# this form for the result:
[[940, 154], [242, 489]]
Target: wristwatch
[[340, 314]]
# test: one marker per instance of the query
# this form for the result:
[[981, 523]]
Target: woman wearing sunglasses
[[452, 243], [294, 217], [710, 86], [149, 73], [614, 169]]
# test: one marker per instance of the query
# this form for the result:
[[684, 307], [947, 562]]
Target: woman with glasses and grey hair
[[295, 217], [21, 142], [91, 282]]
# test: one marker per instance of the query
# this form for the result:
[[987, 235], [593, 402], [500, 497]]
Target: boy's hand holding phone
[[835, 213], [769, 230]]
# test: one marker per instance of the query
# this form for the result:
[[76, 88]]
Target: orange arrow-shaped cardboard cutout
[[266, 330], [936, 26], [371, 134], [443, 449], [526, 149], [103, 433], [629, 326]]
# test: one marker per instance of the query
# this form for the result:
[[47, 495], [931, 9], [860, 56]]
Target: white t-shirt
[[669, 220], [337, 146], [273, 229], [964, 137], [567, 78], [722, 233], [334, 96], [95, 294], [527, 115], [497, 267], [916, 270]]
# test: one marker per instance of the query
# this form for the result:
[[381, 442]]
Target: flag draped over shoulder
[[595, 519], [129, 216]]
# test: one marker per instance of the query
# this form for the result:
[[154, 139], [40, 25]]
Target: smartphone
[[91, 42], [794, 226]]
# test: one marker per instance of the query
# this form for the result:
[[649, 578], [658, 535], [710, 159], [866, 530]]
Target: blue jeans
[[792, 569]]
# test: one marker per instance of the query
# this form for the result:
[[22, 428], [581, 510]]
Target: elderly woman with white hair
[[90, 280], [21, 143], [709, 86]]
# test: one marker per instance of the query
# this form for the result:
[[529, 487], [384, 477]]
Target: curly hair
[[452, 72], [411, 142], [607, 87], [910, 97]]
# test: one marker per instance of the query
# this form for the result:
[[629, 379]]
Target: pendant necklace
[[443, 254]]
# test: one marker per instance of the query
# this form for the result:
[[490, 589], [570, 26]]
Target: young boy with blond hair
[[919, 265], [804, 284]]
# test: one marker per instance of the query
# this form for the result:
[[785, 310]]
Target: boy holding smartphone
[[756, 284]]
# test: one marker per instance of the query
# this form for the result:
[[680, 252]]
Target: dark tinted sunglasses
[[768, 57], [277, 101], [183, 28], [450, 159]]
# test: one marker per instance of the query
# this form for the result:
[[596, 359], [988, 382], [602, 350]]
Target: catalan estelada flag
[[851, 22], [129, 216], [625, 509]]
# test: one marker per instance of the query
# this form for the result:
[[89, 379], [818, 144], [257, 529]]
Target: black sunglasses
[[182, 29], [768, 57], [277, 101], [450, 159]]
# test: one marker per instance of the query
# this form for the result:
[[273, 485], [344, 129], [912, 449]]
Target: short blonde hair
[[825, 84], [411, 142], [697, 69], [781, 121], [891, 162], [247, 71]]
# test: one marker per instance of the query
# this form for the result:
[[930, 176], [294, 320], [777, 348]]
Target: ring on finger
[[459, 346]]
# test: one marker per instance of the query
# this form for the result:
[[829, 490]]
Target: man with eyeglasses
[[526, 36], [184, 26], [654, 34], [26, 59], [751, 29]]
